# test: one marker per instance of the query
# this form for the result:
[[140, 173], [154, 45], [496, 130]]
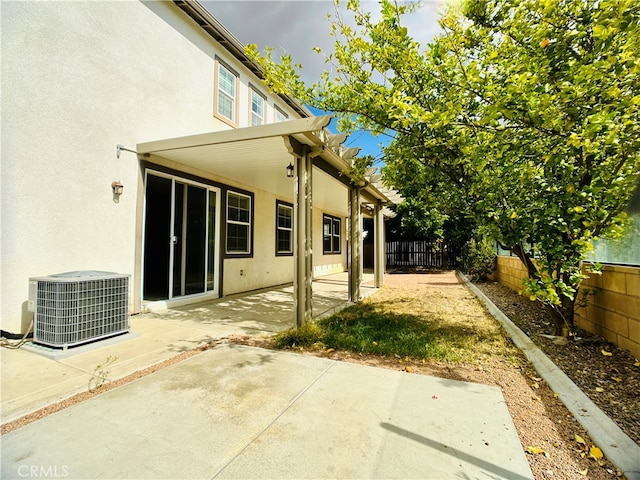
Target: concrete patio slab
[[243, 412], [29, 380]]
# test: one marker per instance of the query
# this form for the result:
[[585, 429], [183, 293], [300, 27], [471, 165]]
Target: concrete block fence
[[613, 312]]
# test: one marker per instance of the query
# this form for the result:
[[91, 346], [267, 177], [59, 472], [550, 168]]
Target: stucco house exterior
[[138, 138]]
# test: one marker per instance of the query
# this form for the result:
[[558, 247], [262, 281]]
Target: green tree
[[524, 114]]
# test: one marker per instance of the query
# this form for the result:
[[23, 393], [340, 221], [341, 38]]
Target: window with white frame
[[284, 228], [226, 93], [258, 102], [331, 234], [280, 115], [238, 223]]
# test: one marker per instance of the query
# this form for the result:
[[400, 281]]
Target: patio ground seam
[[619, 448], [292, 402]]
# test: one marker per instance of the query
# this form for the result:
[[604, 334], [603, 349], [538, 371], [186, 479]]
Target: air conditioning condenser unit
[[78, 307]]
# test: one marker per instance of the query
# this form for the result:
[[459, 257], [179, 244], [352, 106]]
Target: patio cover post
[[302, 282], [355, 226], [308, 236], [379, 245]]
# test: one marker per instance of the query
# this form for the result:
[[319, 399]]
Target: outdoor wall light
[[290, 170], [117, 187]]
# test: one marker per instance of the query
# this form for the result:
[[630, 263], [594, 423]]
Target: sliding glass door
[[181, 236]]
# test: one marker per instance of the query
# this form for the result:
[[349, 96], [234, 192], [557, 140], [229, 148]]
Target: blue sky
[[297, 26]]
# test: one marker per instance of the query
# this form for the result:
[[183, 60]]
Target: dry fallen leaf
[[595, 453], [579, 439], [584, 472], [637, 364], [408, 369], [329, 350], [537, 451], [617, 379], [535, 385], [605, 353], [599, 389]]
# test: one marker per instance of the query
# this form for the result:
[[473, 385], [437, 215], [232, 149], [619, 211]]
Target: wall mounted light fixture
[[117, 187], [290, 170]]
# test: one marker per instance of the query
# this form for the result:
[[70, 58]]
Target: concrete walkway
[[243, 412]]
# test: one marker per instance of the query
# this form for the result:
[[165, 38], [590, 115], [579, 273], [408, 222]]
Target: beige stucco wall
[[78, 78], [334, 201], [264, 268], [613, 312]]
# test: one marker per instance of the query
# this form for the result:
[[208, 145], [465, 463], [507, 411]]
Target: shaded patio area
[[261, 312]]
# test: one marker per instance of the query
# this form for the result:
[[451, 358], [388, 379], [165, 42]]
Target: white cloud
[[293, 27], [297, 26]]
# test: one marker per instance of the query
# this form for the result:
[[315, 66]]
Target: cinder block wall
[[510, 272], [613, 313]]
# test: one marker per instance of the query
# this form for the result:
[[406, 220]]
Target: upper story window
[[238, 223], [284, 228], [280, 115], [226, 94], [258, 102], [331, 234]]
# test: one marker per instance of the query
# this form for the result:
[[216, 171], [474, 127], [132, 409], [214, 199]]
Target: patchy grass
[[415, 324]]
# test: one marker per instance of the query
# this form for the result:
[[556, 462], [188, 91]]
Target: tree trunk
[[532, 271], [560, 325], [562, 315]]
